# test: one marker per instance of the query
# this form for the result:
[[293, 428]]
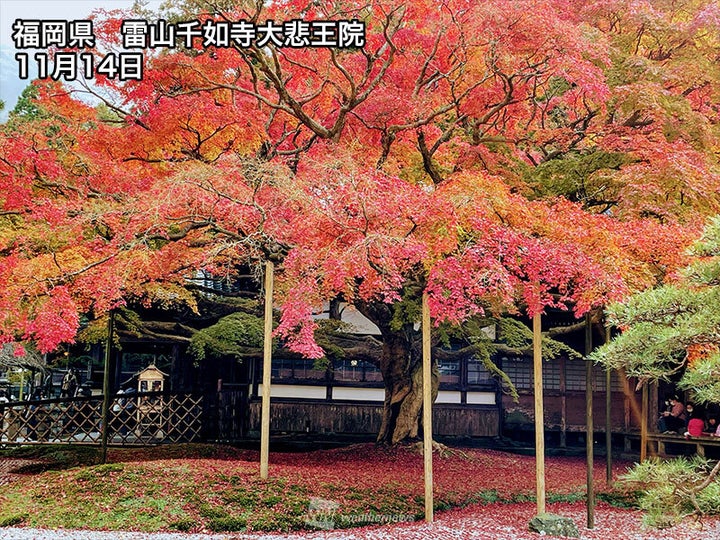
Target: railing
[[133, 419]]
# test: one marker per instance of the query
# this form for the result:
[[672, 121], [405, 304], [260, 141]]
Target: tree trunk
[[401, 368], [402, 374]]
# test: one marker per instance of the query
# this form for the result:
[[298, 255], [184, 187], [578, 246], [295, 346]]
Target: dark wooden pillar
[[563, 402], [590, 428]]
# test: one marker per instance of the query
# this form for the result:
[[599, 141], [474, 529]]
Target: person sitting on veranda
[[695, 425], [712, 428], [689, 412], [673, 420]]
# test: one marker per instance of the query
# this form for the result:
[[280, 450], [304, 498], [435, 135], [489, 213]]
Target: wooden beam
[[590, 425], [267, 370], [539, 416], [427, 410]]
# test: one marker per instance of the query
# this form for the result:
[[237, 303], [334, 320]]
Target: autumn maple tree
[[500, 156]]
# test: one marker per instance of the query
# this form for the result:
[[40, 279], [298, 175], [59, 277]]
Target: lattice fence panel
[[149, 418]]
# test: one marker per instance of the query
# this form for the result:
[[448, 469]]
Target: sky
[[10, 83]]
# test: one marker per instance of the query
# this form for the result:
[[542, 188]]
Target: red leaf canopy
[[500, 155]]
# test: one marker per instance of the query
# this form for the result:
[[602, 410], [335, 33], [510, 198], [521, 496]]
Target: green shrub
[[621, 498], [709, 499], [487, 496], [12, 519], [275, 522], [272, 500], [227, 523], [184, 524], [212, 512], [668, 487], [565, 497], [522, 498], [240, 496]]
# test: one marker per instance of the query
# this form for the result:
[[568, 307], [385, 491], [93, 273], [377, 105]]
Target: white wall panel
[[481, 398], [359, 394]]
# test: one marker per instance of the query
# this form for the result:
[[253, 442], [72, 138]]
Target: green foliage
[[488, 496], [674, 489], [557, 86], [106, 114], [183, 524], [516, 335], [240, 496], [512, 334], [406, 311], [621, 497], [230, 336], [566, 497], [709, 243], [325, 330], [212, 512], [99, 471], [661, 324], [507, 384], [252, 504], [12, 520], [709, 499], [470, 331], [270, 521], [96, 330], [26, 108], [168, 296], [704, 379], [577, 176], [483, 348]]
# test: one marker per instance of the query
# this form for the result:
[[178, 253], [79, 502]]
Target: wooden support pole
[[267, 370], [643, 423], [427, 410], [21, 391], [608, 420], [539, 415], [106, 385], [590, 426]]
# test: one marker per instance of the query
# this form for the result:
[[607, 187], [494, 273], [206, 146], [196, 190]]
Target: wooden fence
[[133, 419]]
